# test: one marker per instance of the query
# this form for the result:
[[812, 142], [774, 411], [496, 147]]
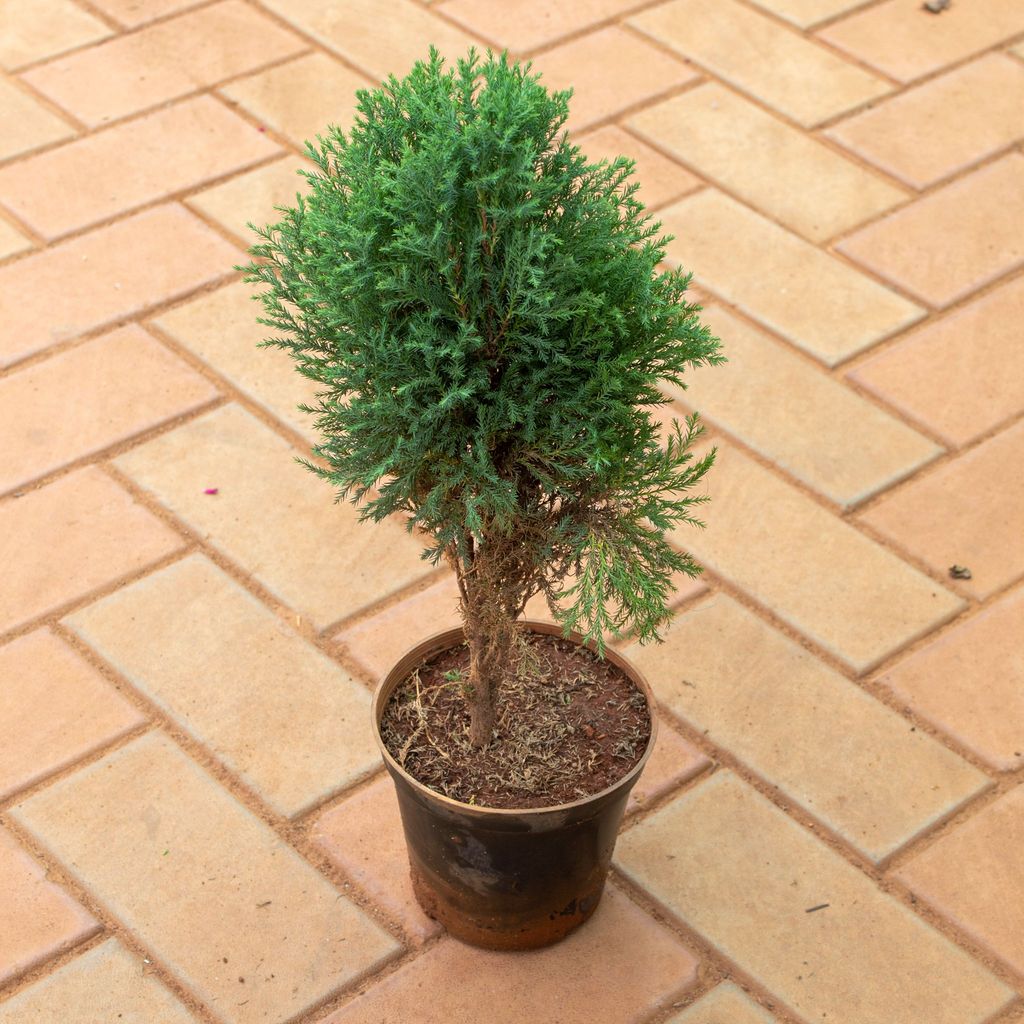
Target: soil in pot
[[568, 724]]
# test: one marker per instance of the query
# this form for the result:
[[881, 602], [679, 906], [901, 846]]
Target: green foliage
[[480, 308]]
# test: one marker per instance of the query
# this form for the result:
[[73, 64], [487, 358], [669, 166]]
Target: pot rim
[[448, 638]]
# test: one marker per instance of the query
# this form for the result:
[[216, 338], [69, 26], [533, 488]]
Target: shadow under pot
[[506, 878]]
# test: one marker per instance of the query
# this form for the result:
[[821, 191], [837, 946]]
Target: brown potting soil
[[567, 724]]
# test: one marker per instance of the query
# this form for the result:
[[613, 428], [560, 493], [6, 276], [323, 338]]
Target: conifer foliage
[[480, 307]]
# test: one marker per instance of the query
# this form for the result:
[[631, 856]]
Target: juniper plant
[[481, 309]]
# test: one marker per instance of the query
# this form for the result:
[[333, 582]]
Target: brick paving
[[194, 826]]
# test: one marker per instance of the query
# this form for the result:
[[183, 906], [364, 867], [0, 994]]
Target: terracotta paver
[[845, 592], [970, 683], [725, 1003], [660, 179], [378, 641], [610, 70], [812, 426], [380, 37], [114, 272], [899, 38], [127, 166], [300, 98], [943, 125], [32, 30], [165, 61], [328, 570], [106, 981], [64, 540], [523, 25], [622, 966], [752, 691], [989, 845], [160, 842], [958, 390], [71, 406], [133, 13], [844, 178], [808, 296], [54, 709], [952, 241], [773, 166], [220, 328], [252, 198], [805, 13], [40, 919], [761, 57], [729, 864], [214, 658], [25, 123], [363, 836], [968, 512], [673, 761], [12, 241]]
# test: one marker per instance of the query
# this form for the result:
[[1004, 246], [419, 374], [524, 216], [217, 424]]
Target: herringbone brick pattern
[[193, 823]]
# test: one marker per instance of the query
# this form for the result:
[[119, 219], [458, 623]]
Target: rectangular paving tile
[[380, 37], [73, 405], [300, 99], [107, 982], [363, 836], [731, 865], [64, 540], [165, 61], [133, 13], [673, 762], [725, 1003], [660, 178], [753, 52], [811, 425], [11, 240], [817, 573], [40, 919], [54, 709], [252, 198], [819, 304], [112, 272], [331, 567], [211, 890], [779, 169], [623, 966], [33, 30], [968, 512], [990, 847], [804, 13], [970, 682], [896, 38], [952, 241], [523, 25], [220, 328], [609, 70], [216, 660], [25, 124], [830, 746], [944, 125], [127, 166], [958, 390], [378, 641]]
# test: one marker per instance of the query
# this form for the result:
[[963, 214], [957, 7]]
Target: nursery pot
[[506, 878]]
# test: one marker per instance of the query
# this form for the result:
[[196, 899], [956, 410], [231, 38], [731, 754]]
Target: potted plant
[[481, 309]]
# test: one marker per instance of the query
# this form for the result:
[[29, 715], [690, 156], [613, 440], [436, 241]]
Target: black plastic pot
[[500, 878]]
